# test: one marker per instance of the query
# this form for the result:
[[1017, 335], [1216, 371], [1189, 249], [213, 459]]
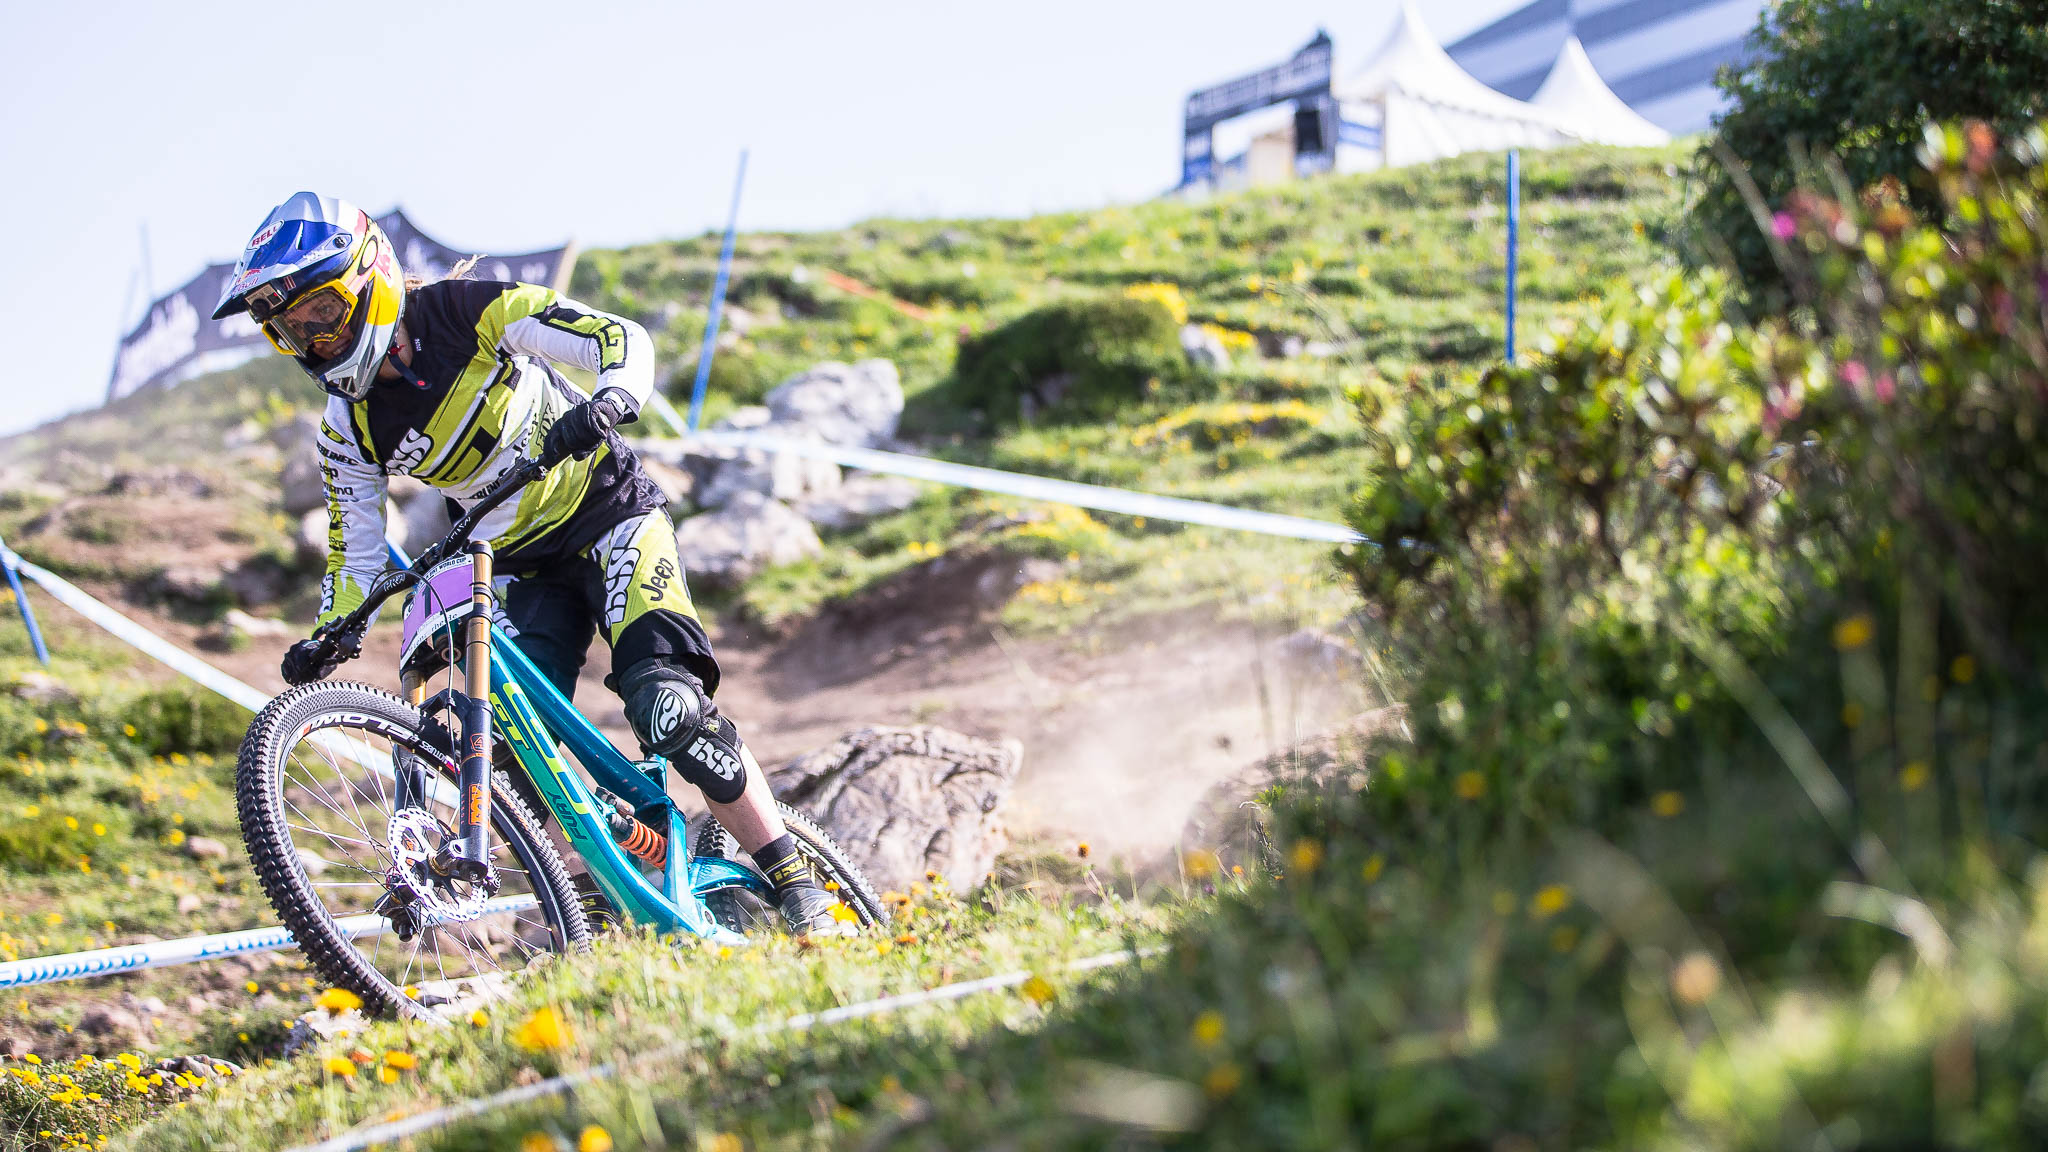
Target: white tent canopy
[[1575, 95], [1415, 102]]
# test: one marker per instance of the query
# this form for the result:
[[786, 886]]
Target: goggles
[[318, 314]]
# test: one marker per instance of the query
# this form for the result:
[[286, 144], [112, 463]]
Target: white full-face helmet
[[323, 282]]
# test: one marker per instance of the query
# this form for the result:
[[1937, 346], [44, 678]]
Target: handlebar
[[344, 637]]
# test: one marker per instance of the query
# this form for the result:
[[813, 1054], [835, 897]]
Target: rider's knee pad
[[673, 718]]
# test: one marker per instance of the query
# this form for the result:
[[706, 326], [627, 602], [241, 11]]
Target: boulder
[[780, 476], [425, 514], [205, 848], [1203, 348], [675, 483], [904, 802], [299, 485], [40, 688], [115, 1026], [729, 546], [857, 404], [191, 584], [312, 541], [238, 629], [1229, 820], [859, 499], [258, 580]]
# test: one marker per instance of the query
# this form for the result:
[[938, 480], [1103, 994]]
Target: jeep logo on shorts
[[715, 758]]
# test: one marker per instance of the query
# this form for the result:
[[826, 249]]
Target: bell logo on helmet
[[265, 236]]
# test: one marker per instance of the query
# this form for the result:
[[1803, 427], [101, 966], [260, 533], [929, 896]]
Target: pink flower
[[1885, 388], [1783, 225], [1854, 374]]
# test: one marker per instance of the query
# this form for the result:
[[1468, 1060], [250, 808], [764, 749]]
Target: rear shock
[[633, 833]]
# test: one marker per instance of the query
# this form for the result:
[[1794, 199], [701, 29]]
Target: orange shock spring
[[636, 837]]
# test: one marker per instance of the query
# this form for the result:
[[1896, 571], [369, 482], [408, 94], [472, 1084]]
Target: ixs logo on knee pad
[[668, 712], [715, 757]]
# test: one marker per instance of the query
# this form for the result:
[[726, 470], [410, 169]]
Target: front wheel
[[742, 911], [344, 793]]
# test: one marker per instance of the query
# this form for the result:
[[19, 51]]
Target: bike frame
[[530, 714]]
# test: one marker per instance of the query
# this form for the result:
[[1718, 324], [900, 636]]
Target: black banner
[[176, 341]]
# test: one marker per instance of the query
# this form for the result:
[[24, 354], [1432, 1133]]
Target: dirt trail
[[1123, 729]]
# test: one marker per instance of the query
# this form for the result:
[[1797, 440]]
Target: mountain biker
[[454, 383]]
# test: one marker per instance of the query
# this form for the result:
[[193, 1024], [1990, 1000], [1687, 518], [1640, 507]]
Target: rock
[[781, 476], [997, 583], [205, 848], [190, 903], [296, 435], [191, 584], [405, 489], [425, 515], [312, 542], [855, 404], [41, 688], [259, 580], [238, 629], [1314, 650], [859, 499], [314, 863], [110, 1022], [1229, 820], [1279, 345], [727, 547], [906, 801], [676, 484], [299, 485], [1203, 348], [157, 482]]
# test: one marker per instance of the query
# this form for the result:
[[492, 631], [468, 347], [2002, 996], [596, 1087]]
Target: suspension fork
[[410, 784], [465, 856]]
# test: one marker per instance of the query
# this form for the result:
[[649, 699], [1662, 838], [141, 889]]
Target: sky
[[518, 124]]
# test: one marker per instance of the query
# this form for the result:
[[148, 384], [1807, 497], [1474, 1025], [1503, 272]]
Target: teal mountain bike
[[398, 838]]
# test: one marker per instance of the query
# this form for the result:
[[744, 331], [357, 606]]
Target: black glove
[[315, 659], [581, 430]]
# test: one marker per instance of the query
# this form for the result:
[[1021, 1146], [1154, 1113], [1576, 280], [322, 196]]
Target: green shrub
[[168, 721], [1853, 82], [1075, 360]]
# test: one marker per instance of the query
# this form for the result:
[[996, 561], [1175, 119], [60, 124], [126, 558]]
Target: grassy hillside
[[1331, 298]]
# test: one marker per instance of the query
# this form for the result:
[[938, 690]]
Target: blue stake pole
[[1514, 235], [732, 225], [28, 614]]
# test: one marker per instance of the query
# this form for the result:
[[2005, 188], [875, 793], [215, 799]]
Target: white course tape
[[1030, 487], [78, 965], [167, 953], [128, 631], [396, 1130]]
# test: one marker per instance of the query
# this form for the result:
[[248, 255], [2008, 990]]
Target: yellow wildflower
[[545, 1030], [594, 1139], [1038, 990], [335, 1000], [398, 1059], [1208, 1029], [1549, 901], [340, 1066]]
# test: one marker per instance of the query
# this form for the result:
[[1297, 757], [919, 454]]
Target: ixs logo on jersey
[[715, 757], [411, 451]]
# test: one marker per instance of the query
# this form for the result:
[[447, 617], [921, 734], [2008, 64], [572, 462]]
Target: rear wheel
[[344, 861], [742, 911]]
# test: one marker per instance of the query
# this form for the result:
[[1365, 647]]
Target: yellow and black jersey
[[484, 394]]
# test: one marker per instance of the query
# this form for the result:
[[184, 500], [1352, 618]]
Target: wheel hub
[[419, 897]]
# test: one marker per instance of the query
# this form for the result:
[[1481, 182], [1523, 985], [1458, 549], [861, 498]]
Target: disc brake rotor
[[420, 897]]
